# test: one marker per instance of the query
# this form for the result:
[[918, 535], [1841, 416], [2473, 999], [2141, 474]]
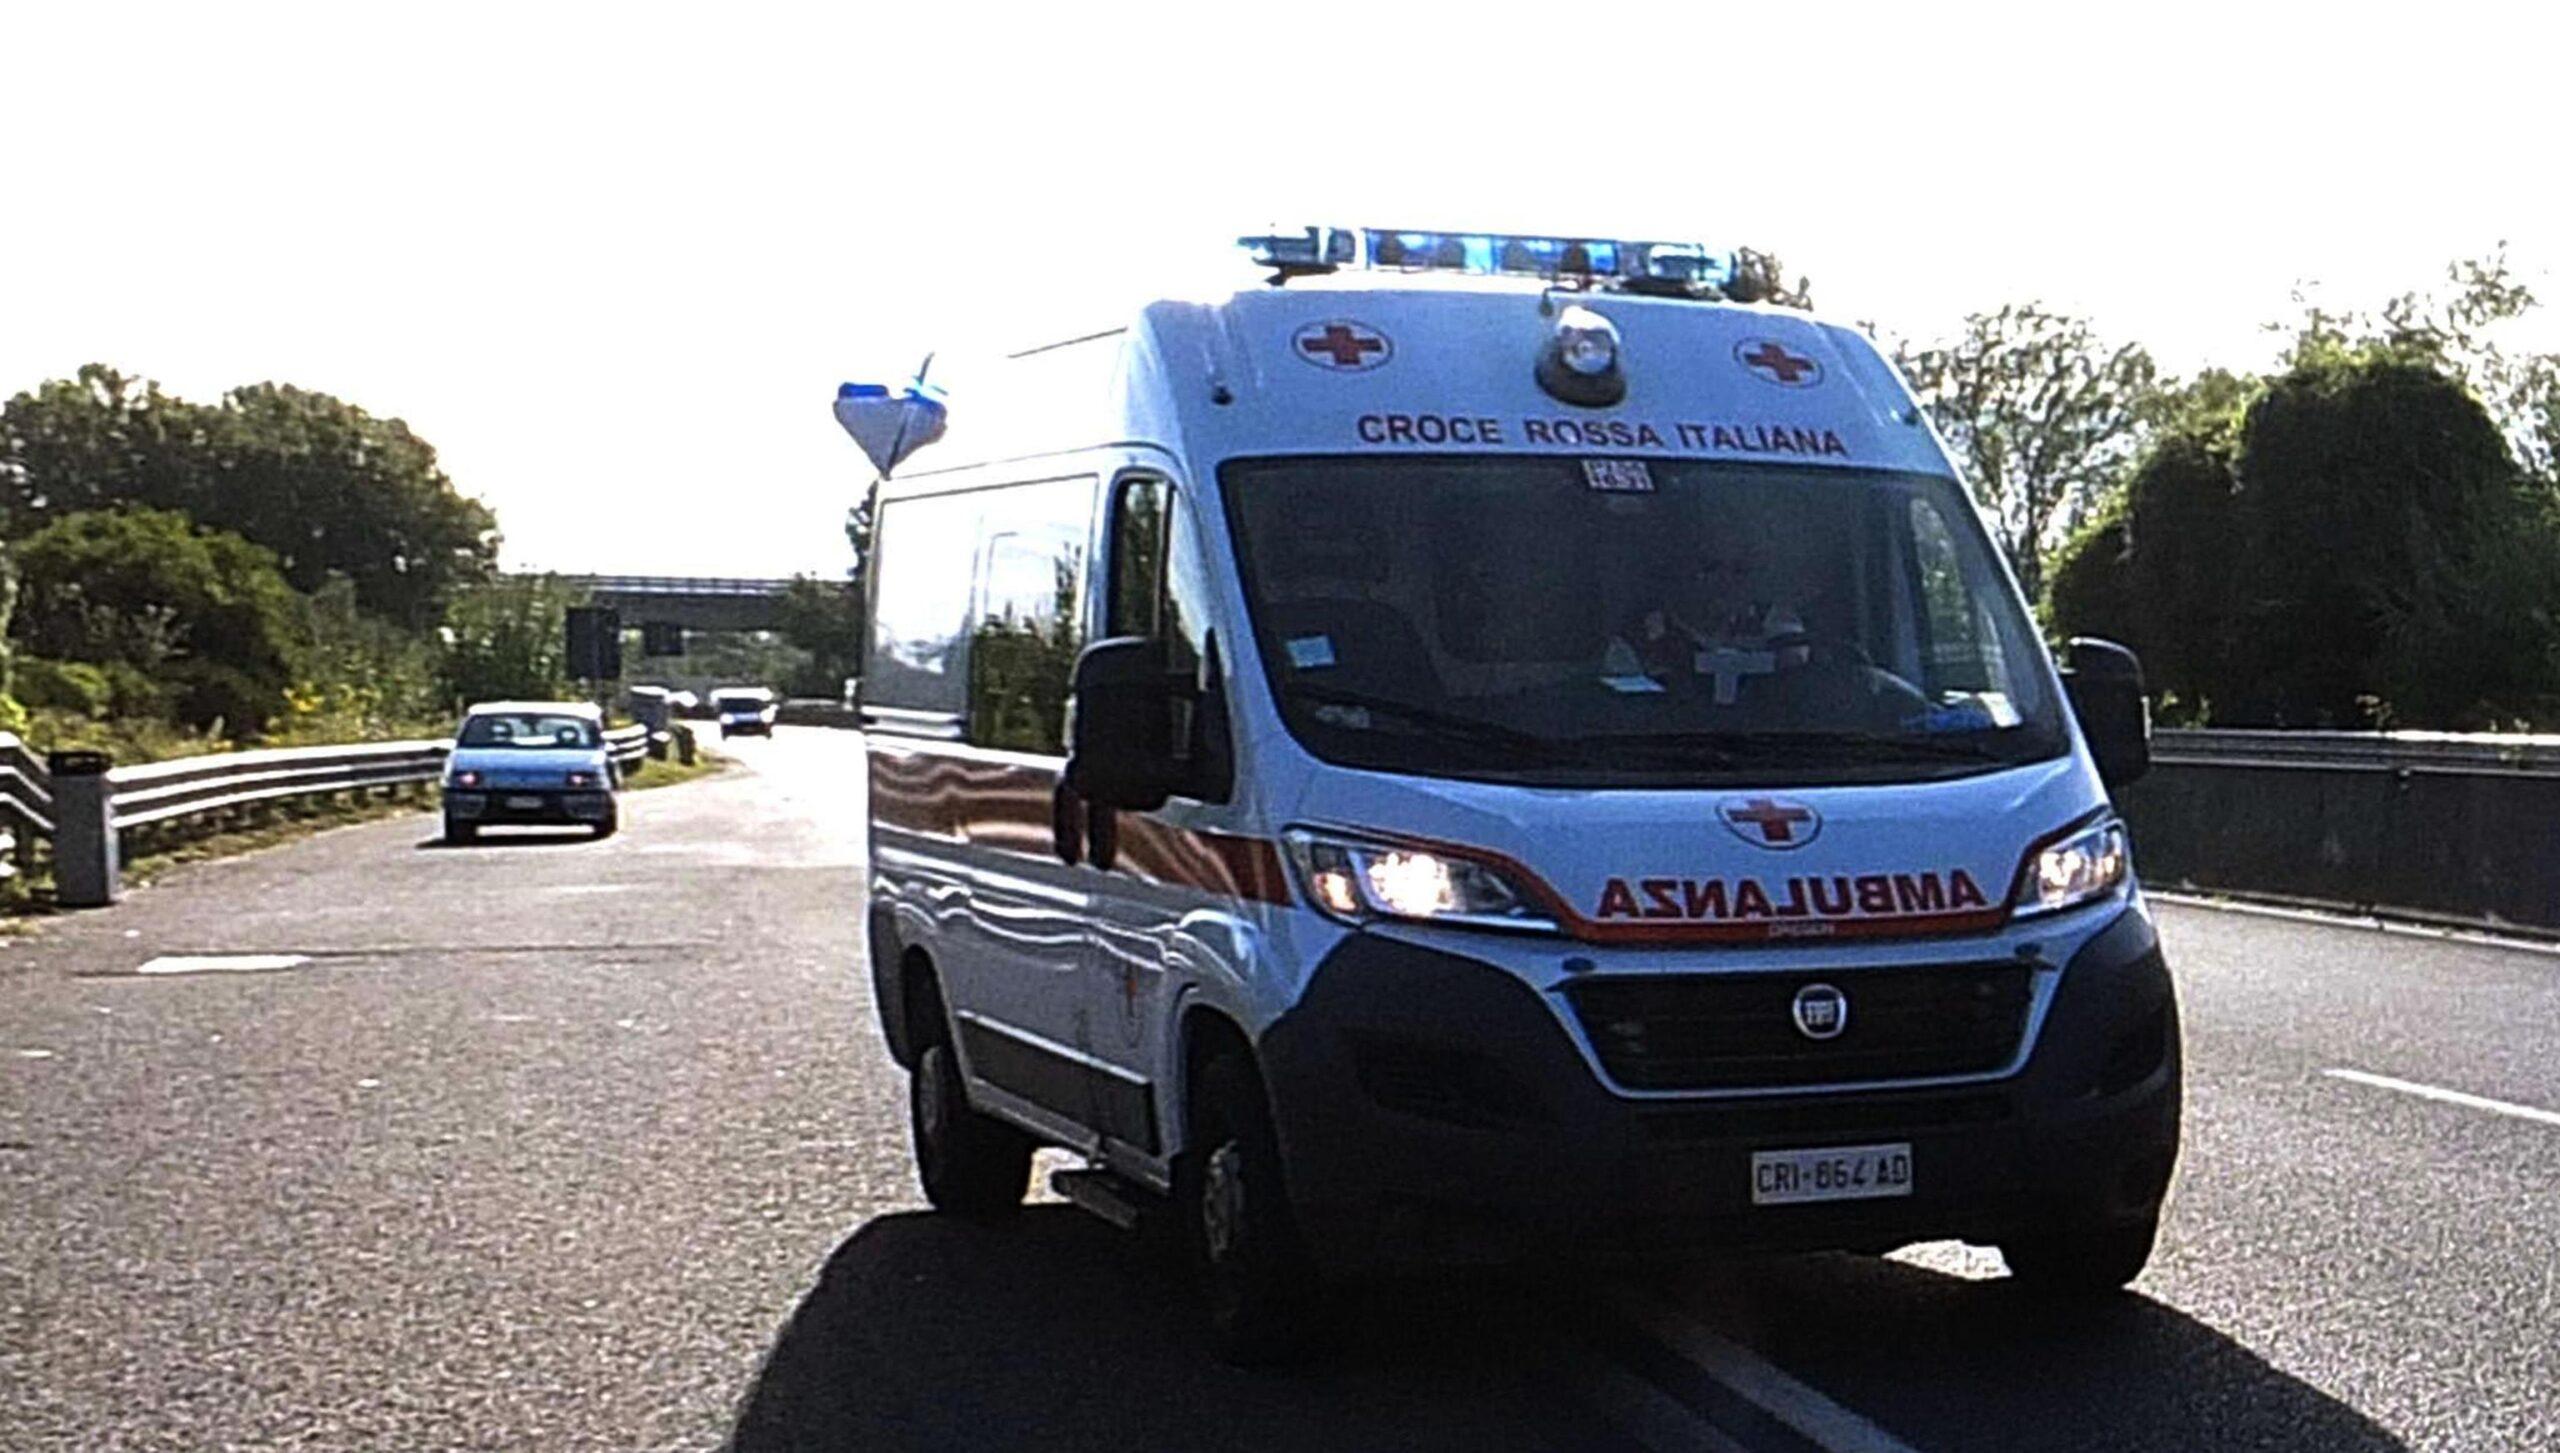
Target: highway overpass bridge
[[695, 602]]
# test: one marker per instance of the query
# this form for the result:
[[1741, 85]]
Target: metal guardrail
[[630, 747], [159, 792], [2434, 827], [2360, 751], [26, 788]]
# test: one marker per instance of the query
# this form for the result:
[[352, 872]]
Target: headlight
[[466, 779], [582, 779], [2091, 863], [1355, 881]]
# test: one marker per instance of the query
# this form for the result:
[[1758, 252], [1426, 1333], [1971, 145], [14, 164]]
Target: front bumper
[[1432, 1110], [537, 805]]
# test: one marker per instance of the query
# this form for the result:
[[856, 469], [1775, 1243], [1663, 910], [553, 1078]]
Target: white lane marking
[[223, 963], [2340, 918], [2450, 1097], [1653, 1417], [35, 1054], [1756, 1380]]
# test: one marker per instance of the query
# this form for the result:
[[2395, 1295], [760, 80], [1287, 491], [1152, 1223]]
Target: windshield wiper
[[1453, 723]]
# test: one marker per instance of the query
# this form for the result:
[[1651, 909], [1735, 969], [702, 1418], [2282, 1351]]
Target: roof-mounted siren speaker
[[889, 422]]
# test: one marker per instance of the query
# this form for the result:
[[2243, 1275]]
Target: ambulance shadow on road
[[1053, 1331], [1944, 1363]]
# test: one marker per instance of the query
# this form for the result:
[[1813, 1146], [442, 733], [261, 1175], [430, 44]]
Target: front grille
[[1737, 1031]]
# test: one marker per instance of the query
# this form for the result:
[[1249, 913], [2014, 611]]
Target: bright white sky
[[613, 260]]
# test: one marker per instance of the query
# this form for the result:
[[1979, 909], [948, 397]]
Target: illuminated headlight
[[1581, 361], [1356, 881], [2091, 863], [466, 779]]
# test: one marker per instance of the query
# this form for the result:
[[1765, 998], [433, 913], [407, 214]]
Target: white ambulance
[[1489, 749]]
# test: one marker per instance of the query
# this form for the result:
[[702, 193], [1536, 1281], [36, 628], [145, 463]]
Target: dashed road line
[[222, 963], [2442, 1095], [1754, 1379]]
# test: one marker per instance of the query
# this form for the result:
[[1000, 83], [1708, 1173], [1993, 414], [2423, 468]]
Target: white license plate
[[1839, 1173], [524, 804]]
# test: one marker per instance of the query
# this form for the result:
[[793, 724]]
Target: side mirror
[[1120, 745], [2105, 683]]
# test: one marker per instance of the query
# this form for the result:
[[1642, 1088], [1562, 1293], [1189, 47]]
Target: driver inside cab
[[1726, 627]]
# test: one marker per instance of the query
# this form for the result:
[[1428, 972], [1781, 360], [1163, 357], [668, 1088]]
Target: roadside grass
[[707, 762]]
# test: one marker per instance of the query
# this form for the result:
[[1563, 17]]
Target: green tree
[[508, 639], [362, 677], [823, 618], [2362, 550], [2042, 415], [96, 440], [2461, 330], [332, 490], [204, 614]]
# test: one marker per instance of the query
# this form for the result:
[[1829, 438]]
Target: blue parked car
[[530, 762]]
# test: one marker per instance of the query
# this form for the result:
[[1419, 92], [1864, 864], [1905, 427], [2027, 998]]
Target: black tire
[[2084, 1258], [1259, 1290], [970, 1164], [612, 824], [459, 833]]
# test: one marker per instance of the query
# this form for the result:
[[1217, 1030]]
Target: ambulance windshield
[[1609, 622]]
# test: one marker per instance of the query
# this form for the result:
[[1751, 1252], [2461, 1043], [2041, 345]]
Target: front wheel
[[458, 833], [2081, 1258], [1263, 1302], [612, 824], [970, 1164]]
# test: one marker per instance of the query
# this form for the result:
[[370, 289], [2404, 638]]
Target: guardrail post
[[684, 744], [88, 867]]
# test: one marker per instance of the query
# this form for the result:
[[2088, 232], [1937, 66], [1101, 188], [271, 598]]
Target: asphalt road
[[567, 1145]]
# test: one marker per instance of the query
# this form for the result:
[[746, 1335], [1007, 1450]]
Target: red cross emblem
[[1766, 358], [1347, 346], [1771, 822]]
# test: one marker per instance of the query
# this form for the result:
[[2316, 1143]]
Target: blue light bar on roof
[[1387, 249]]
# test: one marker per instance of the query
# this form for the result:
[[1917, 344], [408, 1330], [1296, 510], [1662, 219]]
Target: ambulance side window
[[1138, 518], [1023, 634], [1157, 587], [922, 553], [1963, 648]]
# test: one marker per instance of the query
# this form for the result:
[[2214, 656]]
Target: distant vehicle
[[744, 710], [529, 762]]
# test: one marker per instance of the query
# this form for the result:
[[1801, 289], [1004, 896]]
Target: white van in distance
[[1492, 749]]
